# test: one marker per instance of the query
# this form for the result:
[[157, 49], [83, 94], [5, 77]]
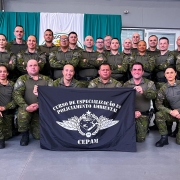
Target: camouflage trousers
[[141, 128], [164, 118], [6, 126], [28, 121]]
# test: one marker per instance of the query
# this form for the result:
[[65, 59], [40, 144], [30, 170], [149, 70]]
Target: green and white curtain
[[95, 25]]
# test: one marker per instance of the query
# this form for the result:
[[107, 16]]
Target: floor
[[33, 163]]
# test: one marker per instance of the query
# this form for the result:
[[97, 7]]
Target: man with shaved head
[[63, 56], [68, 79], [90, 61], [135, 40], [30, 53], [26, 99]]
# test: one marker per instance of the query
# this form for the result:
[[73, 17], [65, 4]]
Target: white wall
[[147, 14]]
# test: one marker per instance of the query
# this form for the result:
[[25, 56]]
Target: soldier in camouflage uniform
[[68, 78], [128, 55], [152, 42], [107, 43], [31, 53], [171, 92], [7, 105], [142, 57], [73, 38], [177, 57], [135, 40], [104, 80], [7, 58], [47, 48], [63, 56], [25, 97], [90, 62], [119, 64], [145, 91], [18, 44]]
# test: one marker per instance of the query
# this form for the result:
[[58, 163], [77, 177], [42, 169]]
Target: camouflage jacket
[[8, 59], [172, 94], [15, 48], [97, 83], [6, 95], [149, 92], [20, 88], [58, 59], [118, 62], [163, 61], [91, 60], [74, 83], [147, 61], [24, 56], [47, 49]]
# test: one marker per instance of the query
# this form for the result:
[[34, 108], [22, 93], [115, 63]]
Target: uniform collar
[[23, 41], [132, 82], [109, 82], [62, 82]]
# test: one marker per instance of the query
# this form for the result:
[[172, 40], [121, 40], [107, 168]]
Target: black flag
[[87, 119]]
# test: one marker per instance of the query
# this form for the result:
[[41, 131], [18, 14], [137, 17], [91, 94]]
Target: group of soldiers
[[24, 65]]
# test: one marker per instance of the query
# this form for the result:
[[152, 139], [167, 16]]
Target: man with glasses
[[62, 57], [107, 43]]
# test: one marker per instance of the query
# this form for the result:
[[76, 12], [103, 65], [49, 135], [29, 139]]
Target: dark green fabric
[[30, 21], [97, 25]]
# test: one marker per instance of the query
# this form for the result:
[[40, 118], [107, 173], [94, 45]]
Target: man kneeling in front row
[[28, 114]]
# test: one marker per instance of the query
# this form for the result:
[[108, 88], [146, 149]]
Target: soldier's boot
[[25, 138], [163, 141], [2, 143], [173, 134]]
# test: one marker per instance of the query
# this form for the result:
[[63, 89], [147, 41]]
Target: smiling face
[[68, 72], [31, 42], [64, 41], [137, 71], [141, 46]]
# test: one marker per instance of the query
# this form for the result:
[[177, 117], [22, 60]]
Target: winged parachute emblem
[[88, 124]]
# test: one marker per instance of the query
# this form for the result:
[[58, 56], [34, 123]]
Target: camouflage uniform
[[118, 73], [97, 83], [58, 59], [7, 101], [24, 56], [152, 53], [5, 58], [24, 96], [74, 83], [88, 65], [142, 105], [148, 63], [177, 59], [172, 94], [47, 50], [128, 57], [161, 63], [15, 48]]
